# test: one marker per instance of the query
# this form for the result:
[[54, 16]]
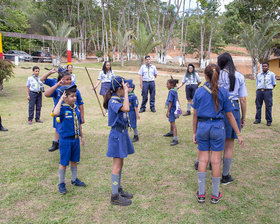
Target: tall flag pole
[[1, 49], [69, 52]]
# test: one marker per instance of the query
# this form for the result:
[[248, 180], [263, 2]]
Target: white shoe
[[106, 114]]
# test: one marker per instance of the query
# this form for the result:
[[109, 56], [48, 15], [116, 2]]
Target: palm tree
[[61, 30], [122, 41], [258, 39], [144, 44]]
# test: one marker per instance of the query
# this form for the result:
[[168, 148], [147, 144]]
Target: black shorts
[[190, 91]]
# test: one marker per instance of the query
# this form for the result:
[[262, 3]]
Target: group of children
[[211, 105]]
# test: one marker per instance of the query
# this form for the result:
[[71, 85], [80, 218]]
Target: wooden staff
[[95, 92]]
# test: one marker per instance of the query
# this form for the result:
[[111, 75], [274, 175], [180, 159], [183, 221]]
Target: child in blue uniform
[[171, 105], [119, 143], [210, 104], [63, 81], [69, 131], [133, 109]]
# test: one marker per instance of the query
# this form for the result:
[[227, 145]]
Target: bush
[[6, 71]]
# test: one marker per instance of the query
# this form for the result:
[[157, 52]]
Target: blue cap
[[130, 83], [117, 83], [61, 69], [62, 88]]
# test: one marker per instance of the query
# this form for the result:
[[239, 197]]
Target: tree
[[6, 71], [61, 30], [123, 41], [257, 39], [143, 44]]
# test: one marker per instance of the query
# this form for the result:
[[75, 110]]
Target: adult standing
[[265, 84], [234, 82], [192, 81], [148, 73], [105, 78]]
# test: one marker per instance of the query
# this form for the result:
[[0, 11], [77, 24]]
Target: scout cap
[[117, 82]]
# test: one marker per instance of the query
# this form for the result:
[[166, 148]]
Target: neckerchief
[[131, 93], [76, 122], [116, 97], [37, 80]]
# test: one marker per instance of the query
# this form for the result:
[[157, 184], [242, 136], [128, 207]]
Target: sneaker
[[117, 199], [200, 198], [30, 122], [39, 121], [153, 110], [174, 142], [62, 189], [187, 113], [135, 138], [55, 146], [227, 180], [257, 122], [3, 129], [106, 114], [268, 123], [78, 183], [125, 194], [168, 135], [215, 200], [142, 110], [196, 165]]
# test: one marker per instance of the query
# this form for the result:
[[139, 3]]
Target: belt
[[35, 92], [208, 119], [148, 81], [119, 129], [70, 137], [263, 90], [236, 101]]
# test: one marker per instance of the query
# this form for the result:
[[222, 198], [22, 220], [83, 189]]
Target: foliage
[[144, 44], [6, 71]]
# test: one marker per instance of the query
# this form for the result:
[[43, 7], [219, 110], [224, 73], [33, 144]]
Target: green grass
[[162, 178]]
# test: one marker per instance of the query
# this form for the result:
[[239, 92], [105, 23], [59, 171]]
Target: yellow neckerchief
[[76, 122]]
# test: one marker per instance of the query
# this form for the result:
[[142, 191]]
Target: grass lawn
[[162, 178]]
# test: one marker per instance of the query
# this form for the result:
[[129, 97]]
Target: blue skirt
[[119, 144], [230, 133], [105, 86]]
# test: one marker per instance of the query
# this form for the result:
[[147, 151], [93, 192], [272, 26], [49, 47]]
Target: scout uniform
[[239, 91], [265, 83], [172, 97], [210, 128], [191, 81], [105, 81], [35, 92], [148, 74]]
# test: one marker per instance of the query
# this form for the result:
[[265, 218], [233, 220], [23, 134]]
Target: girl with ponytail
[[234, 83], [211, 104]]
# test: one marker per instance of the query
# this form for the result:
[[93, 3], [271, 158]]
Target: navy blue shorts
[[171, 116], [119, 144], [69, 149], [210, 135], [105, 86], [230, 133], [190, 91], [132, 119]]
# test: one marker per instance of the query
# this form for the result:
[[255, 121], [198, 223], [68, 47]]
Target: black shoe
[[196, 165], [187, 113], [168, 135], [135, 138], [210, 166], [153, 110], [3, 129], [142, 110], [256, 122], [39, 121], [125, 194], [227, 180], [55, 146], [174, 142], [268, 124], [117, 199]]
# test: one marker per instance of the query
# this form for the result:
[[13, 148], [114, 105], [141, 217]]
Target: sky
[[193, 4]]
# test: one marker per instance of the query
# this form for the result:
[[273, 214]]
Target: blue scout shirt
[[204, 104], [59, 91], [50, 82], [70, 120], [116, 118], [266, 80], [192, 79], [148, 72], [34, 83], [133, 101], [239, 88], [172, 97], [106, 77]]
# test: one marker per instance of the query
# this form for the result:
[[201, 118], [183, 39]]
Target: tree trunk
[[210, 43], [122, 61], [1, 84], [254, 67], [202, 33], [182, 34]]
